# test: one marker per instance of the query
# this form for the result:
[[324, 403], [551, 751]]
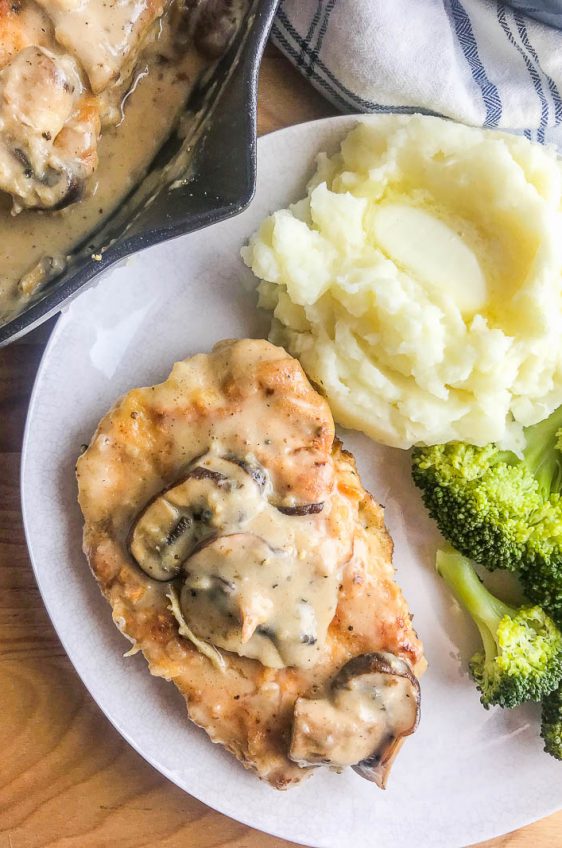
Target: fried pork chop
[[230, 533]]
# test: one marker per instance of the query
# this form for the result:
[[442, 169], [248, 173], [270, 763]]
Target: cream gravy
[[256, 580], [357, 719], [101, 33]]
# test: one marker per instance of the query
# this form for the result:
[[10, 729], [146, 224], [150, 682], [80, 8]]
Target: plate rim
[[62, 319]]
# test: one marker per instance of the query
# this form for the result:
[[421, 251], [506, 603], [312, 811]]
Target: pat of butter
[[431, 252]]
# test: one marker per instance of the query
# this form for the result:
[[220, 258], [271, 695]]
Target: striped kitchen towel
[[478, 61]]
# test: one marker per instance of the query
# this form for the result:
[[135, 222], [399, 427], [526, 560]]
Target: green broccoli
[[500, 510], [551, 729], [522, 656]]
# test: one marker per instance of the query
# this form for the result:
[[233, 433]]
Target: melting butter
[[431, 252]]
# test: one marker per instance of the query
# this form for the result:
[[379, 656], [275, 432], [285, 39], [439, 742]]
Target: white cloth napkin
[[477, 61]]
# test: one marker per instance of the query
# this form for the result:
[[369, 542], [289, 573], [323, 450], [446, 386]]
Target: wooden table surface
[[67, 779]]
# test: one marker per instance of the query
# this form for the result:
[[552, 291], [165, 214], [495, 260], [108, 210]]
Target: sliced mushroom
[[372, 704], [222, 601], [302, 509], [244, 596], [162, 537], [215, 496], [257, 472]]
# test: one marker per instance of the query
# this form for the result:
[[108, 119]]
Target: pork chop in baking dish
[[65, 67], [60, 61], [89, 92], [229, 530]]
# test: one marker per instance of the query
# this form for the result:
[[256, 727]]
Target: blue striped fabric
[[478, 61], [533, 73], [294, 46], [552, 87], [467, 41]]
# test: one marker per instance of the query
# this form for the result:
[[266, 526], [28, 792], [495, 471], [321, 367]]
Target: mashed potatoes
[[419, 282]]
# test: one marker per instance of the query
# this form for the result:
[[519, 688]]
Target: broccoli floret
[[551, 728], [500, 510], [522, 656]]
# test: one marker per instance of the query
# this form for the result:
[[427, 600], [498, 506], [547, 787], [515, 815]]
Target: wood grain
[[67, 779]]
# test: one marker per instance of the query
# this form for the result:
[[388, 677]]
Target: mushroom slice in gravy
[[260, 602], [222, 605], [372, 704], [215, 494], [268, 593], [301, 509]]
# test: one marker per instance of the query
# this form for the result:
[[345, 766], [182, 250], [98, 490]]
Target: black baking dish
[[206, 176]]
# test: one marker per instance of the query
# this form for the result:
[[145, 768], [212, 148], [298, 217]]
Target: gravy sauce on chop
[[231, 535]]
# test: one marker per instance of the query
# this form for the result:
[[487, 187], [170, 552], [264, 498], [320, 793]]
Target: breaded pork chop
[[239, 551]]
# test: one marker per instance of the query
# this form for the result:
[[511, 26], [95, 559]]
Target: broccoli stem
[[542, 455], [486, 610]]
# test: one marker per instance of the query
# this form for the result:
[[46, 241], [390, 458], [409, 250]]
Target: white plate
[[467, 774]]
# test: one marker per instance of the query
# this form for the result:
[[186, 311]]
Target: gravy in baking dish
[[34, 244], [138, 117]]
